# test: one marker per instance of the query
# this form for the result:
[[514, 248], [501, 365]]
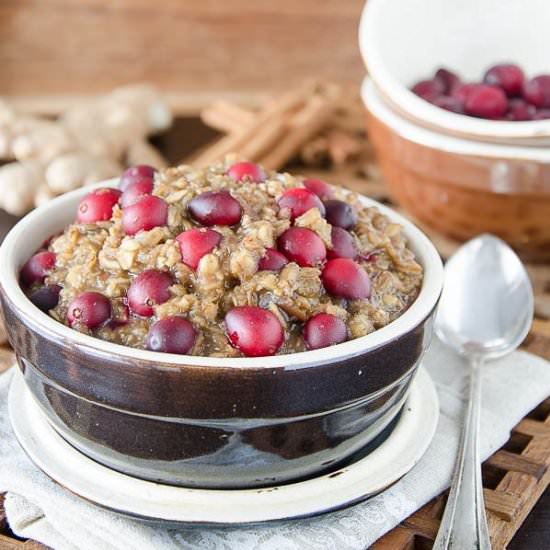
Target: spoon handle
[[464, 524]]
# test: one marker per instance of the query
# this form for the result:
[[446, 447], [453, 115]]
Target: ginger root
[[87, 144]]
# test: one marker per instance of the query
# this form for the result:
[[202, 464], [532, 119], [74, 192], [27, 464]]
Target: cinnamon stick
[[227, 117], [233, 143], [303, 126], [342, 146]]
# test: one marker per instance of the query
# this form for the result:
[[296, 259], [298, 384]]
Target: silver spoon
[[485, 312]]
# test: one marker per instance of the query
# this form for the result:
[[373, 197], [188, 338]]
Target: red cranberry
[[541, 114], [449, 79], [302, 246], [146, 213], [299, 200], [171, 335], [462, 91], [241, 171], [135, 191], [343, 244], [519, 109], [46, 297], [344, 278], [97, 206], [215, 208], [537, 91], [90, 309], [449, 103], [486, 102], [323, 330], [37, 267], [254, 331], [321, 188], [429, 89], [149, 288], [507, 77], [272, 260], [195, 243], [340, 213], [136, 173]]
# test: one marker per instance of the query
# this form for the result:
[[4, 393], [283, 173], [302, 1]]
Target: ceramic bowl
[[403, 42], [204, 421], [463, 187]]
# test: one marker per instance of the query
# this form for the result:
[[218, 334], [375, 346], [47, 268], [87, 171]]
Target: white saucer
[[365, 477]]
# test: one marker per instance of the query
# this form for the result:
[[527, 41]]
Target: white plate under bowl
[[365, 477]]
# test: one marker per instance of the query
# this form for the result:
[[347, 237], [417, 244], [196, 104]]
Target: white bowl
[[404, 41]]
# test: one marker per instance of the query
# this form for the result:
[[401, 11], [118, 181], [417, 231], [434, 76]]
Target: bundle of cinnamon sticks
[[321, 124]]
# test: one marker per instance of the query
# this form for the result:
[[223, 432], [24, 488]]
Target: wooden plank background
[[64, 47]]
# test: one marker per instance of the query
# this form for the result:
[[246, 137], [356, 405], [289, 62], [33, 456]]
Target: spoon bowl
[[486, 307]]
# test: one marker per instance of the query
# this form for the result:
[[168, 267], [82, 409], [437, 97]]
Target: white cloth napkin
[[38, 508]]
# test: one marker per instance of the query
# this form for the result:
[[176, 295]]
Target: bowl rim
[[433, 139], [418, 311], [423, 111]]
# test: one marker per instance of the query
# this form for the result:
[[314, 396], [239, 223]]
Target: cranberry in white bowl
[[463, 38]]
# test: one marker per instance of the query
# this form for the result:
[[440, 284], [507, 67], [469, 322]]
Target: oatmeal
[[226, 261]]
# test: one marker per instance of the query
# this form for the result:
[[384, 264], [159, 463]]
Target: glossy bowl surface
[[463, 187], [404, 41], [212, 422]]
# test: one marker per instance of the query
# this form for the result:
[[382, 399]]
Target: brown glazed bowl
[[463, 187], [204, 421]]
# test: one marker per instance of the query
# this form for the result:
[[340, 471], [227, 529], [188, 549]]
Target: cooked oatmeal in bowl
[[150, 263], [227, 261]]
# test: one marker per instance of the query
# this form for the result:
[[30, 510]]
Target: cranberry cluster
[[253, 330], [504, 94]]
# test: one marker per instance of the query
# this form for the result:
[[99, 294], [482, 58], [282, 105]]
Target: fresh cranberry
[[97, 206], [519, 109], [449, 103], [486, 102], [272, 260], [323, 330], [340, 213], [344, 278], [37, 267], [151, 287], [429, 89], [449, 79], [462, 91], [302, 246], [508, 77], [343, 244], [146, 213], [541, 114], [321, 188], [241, 171], [136, 173], [299, 200], [215, 208], [537, 91], [90, 309], [195, 243], [135, 191], [171, 335], [46, 297], [254, 331]]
